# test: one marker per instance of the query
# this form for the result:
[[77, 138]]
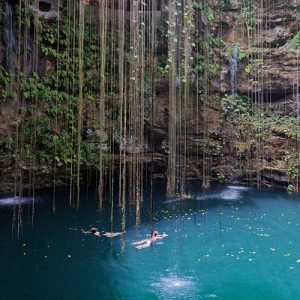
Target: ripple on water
[[238, 187], [230, 194], [172, 200], [173, 285], [207, 197]]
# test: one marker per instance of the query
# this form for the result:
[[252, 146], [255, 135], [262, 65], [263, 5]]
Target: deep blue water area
[[229, 243]]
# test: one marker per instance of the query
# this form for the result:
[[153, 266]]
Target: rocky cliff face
[[249, 135], [269, 79], [260, 150]]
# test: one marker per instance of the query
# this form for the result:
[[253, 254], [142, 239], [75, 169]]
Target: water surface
[[230, 242]]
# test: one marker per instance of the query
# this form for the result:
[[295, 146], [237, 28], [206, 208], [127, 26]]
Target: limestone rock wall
[[267, 79]]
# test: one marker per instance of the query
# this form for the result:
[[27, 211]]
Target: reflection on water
[[23, 201], [172, 200], [238, 187], [173, 285], [230, 194], [14, 201]]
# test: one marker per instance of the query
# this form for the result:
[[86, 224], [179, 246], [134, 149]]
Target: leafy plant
[[293, 165], [293, 43], [235, 105]]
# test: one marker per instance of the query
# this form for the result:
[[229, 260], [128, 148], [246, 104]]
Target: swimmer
[[93, 231], [155, 236], [186, 196]]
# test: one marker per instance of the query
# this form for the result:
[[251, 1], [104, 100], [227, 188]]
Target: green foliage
[[207, 12], [248, 69], [6, 90], [249, 15], [292, 160], [64, 148], [163, 65], [211, 68], [7, 145], [290, 188], [47, 142], [293, 165], [206, 65], [238, 111], [293, 43], [242, 53], [53, 96], [221, 177], [259, 125], [253, 65], [287, 125], [234, 106]]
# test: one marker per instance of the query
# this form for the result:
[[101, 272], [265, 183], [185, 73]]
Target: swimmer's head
[[93, 230], [155, 233]]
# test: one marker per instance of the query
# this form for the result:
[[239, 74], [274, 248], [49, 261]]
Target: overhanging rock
[[46, 9]]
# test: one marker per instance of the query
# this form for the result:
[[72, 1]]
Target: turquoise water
[[229, 243]]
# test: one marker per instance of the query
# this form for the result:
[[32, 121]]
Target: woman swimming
[[155, 236]]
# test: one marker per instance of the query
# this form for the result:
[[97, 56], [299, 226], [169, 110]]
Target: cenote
[[149, 149], [229, 242]]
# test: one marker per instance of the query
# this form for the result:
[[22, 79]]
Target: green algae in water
[[227, 243]]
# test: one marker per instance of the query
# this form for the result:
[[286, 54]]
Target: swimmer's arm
[[112, 234], [161, 236]]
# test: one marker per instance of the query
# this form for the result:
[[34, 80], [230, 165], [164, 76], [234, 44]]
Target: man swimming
[[93, 231], [155, 236]]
